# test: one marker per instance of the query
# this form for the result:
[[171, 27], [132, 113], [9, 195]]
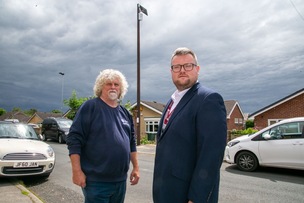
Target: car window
[[292, 130], [17, 131], [65, 123]]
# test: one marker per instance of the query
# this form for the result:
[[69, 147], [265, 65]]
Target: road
[[265, 185]]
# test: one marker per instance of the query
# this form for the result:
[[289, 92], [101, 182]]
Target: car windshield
[[18, 131], [65, 123]]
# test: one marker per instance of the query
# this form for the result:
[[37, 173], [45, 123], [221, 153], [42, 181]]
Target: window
[[273, 121], [152, 125], [286, 131], [238, 121]]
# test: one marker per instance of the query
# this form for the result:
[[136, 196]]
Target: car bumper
[[8, 168], [228, 156]]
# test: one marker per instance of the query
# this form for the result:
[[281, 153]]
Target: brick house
[[287, 107], [235, 117]]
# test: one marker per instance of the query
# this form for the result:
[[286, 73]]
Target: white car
[[22, 153], [278, 145]]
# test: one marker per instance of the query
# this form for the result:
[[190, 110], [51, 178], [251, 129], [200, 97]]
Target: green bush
[[144, 140], [243, 132]]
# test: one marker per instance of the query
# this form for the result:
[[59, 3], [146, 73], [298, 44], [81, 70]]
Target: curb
[[34, 198]]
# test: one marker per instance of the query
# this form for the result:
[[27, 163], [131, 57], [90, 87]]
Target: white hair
[[110, 75]]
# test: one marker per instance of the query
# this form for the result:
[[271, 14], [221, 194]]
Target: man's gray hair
[[184, 51], [110, 75]]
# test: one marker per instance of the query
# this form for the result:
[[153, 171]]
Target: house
[[287, 107], [150, 115], [235, 117], [38, 117], [151, 112]]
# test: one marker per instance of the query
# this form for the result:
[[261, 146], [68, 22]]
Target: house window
[[152, 125], [273, 121], [238, 121]]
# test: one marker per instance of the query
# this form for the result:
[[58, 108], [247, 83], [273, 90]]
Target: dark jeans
[[103, 192]]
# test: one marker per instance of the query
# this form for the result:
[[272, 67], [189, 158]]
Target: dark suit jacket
[[190, 149]]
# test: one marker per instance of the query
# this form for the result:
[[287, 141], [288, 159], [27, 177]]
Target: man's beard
[[113, 95]]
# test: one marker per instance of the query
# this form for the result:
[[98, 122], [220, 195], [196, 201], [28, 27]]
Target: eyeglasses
[[187, 67]]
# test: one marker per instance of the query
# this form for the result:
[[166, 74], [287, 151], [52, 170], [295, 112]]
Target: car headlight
[[232, 143], [50, 151]]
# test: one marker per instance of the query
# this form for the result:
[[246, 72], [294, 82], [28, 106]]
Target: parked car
[[55, 128], [278, 145], [22, 153]]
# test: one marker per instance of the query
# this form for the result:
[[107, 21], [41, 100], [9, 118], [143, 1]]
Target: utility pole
[[140, 11], [62, 83]]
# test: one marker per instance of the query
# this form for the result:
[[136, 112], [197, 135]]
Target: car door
[[284, 148], [54, 130]]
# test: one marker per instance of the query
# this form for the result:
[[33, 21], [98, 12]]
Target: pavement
[[12, 191]]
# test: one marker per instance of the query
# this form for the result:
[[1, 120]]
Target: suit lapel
[[186, 98]]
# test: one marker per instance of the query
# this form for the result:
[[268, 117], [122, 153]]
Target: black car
[[56, 129]]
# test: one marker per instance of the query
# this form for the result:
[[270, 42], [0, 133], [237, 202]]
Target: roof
[[277, 103], [44, 115], [154, 106], [15, 115], [230, 106]]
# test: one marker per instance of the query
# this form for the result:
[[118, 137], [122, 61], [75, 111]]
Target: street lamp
[[62, 82], [140, 11]]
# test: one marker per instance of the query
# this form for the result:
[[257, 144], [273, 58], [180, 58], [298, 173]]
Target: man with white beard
[[102, 142]]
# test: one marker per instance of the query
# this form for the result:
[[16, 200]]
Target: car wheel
[[247, 161], [60, 139], [43, 136]]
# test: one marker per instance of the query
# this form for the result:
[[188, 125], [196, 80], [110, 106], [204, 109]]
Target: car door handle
[[297, 143]]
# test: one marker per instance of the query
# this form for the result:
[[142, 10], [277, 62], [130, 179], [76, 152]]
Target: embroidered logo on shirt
[[124, 122]]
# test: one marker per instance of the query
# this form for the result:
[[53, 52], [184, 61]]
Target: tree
[[30, 112], [74, 103], [128, 105], [2, 111], [56, 111], [249, 124], [16, 109]]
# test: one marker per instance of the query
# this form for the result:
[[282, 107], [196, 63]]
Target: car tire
[[44, 137], [247, 161], [60, 139]]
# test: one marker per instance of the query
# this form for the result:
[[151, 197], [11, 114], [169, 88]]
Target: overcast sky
[[251, 51]]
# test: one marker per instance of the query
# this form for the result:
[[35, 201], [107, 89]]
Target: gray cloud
[[248, 51]]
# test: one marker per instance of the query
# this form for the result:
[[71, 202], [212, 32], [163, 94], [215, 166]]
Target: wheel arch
[[246, 150]]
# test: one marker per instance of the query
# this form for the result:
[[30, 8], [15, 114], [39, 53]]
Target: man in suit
[[191, 138]]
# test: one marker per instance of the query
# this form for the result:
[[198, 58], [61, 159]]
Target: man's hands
[[134, 176], [79, 178]]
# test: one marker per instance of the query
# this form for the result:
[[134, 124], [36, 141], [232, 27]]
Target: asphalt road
[[265, 185]]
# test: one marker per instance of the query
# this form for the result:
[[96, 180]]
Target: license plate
[[25, 164]]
